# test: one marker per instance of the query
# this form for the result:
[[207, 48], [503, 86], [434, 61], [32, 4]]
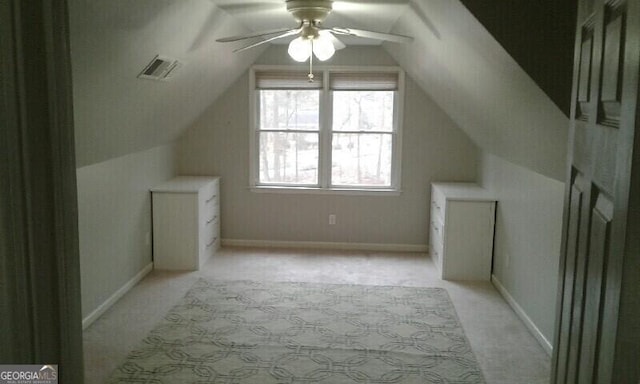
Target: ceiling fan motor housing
[[312, 11]]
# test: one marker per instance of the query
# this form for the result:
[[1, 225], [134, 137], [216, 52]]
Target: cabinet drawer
[[209, 206], [436, 253], [209, 213], [210, 199], [438, 204], [436, 230], [211, 244], [209, 226], [209, 248], [210, 221]]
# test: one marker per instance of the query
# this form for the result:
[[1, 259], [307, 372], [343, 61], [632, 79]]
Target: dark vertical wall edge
[[40, 287]]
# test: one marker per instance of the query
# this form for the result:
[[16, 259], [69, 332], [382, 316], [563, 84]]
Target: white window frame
[[325, 148]]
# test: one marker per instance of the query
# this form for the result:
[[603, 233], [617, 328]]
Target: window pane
[[289, 109], [290, 158], [363, 111], [361, 159]]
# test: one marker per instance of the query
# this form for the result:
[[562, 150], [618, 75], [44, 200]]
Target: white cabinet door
[[175, 231], [186, 222], [468, 240], [461, 231]]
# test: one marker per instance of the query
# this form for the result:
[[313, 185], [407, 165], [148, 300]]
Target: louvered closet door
[[588, 346]]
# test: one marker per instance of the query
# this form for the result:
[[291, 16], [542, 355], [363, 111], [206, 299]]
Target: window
[[340, 132]]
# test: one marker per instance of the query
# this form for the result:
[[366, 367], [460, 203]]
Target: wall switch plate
[[332, 219]]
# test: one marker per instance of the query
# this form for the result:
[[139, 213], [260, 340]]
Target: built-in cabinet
[[186, 222], [461, 231]]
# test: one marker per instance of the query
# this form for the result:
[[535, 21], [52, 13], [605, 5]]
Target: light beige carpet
[[237, 332]]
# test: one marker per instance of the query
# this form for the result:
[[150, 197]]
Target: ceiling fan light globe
[[323, 48], [300, 49]]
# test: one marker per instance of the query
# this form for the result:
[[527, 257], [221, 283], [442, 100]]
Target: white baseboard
[[102, 308], [546, 345], [326, 245]]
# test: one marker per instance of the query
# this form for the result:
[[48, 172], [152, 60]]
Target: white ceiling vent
[[160, 68]]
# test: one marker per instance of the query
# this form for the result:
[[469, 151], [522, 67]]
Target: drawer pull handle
[[212, 242], [212, 219], [211, 198]]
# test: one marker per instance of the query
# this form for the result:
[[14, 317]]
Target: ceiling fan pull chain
[[310, 75]]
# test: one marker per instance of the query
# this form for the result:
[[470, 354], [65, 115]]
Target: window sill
[[327, 191]]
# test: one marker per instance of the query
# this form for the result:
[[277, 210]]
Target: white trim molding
[[326, 245], [117, 295], [546, 345], [327, 191]]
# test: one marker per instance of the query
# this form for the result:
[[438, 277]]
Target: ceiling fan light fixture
[[300, 49], [313, 39], [323, 47]]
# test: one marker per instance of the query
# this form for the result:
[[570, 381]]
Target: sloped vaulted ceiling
[[539, 35], [453, 57], [468, 73], [111, 43]]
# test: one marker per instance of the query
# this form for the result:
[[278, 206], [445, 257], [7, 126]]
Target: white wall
[[114, 207], [112, 41], [434, 148], [527, 238]]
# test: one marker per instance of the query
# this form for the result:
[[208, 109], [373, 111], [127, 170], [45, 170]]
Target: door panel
[[578, 275], [572, 252], [597, 337], [611, 84], [584, 71], [602, 215], [604, 155]]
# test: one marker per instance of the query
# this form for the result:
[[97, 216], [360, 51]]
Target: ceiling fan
[[313, 38]]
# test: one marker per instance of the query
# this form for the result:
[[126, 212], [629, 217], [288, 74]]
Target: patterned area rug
[[244, 332]]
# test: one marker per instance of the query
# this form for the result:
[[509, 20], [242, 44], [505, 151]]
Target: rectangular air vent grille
[[160, 68]]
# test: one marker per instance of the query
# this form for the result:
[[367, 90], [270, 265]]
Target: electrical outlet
[[332, 219], [147, 238]]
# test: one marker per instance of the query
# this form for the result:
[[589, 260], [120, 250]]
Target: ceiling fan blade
[[337, 44], [255, 34], [374, 2], [245, 8], [357, 7], [373, 35], [288, 33]]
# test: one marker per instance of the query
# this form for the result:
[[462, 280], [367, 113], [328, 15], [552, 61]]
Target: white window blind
[[363, 81], [287, 80]]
